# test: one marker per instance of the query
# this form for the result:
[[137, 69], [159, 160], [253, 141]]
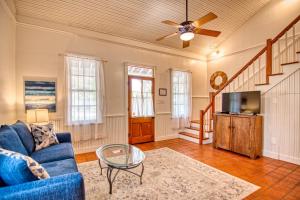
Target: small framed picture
[[163, 92]]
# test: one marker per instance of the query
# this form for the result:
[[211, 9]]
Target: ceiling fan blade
[[207, 32], [185, 44], [171, 23], [210, 16], [166, 36]]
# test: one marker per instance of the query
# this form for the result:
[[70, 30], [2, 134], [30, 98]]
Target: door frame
[[126, 106]]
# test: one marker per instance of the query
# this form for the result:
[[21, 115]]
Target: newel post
[[201, 132], [268, 59], [212, 110]]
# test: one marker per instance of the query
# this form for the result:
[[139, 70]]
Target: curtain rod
[[82, 56]]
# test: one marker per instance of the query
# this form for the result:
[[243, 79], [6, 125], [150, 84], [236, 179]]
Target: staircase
[[274, 62], [191, 133]]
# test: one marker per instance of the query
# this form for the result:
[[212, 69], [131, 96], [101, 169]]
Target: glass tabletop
[[120, 155]]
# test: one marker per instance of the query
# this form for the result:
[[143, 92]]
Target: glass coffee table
[[120, 157]]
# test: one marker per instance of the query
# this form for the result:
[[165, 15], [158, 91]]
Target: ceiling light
[[187, 36]]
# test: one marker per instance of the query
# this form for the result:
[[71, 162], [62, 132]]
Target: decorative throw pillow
[[43, 135], [16, 168]]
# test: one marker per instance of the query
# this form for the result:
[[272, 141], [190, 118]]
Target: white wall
[[245, 42], [281, 108], [7, 65], [37, 56]]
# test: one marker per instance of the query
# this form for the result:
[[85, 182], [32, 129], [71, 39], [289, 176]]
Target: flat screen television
[[241, 102]]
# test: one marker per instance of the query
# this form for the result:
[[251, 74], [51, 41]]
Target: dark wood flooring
[[277, 179]]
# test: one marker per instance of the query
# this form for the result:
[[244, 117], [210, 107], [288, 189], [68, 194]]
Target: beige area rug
[[168, 175]]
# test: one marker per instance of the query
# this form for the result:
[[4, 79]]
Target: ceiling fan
[[188, 29]]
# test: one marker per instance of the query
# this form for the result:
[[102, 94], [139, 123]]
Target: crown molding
[[51, 26]]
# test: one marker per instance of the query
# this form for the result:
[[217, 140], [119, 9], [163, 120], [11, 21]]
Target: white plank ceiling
[[141, 19]]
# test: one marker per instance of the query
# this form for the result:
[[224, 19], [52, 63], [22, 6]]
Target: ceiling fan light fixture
[[187, 36]]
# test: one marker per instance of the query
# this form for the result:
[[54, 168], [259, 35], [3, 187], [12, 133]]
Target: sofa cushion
[[25, 135], [53, 153], [16, 168], [60, 167], [10, 140]]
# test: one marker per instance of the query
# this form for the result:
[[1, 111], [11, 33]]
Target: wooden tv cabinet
[[239, 133]]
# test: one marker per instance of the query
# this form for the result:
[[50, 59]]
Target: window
[[85, 90], [140, 71], [181, 94]]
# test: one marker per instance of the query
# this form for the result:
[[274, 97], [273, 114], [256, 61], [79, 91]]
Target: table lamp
[[37, 116]]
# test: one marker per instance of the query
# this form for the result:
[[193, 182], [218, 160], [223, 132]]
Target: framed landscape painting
[[40, 94]]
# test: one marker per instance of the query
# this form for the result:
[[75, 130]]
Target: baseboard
[[166, 137], [282, 157], [86, 150], [270, 154], [290, 159]]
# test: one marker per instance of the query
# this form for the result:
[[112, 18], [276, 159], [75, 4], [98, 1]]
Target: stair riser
[[209, 141], [191, 131], [195, 125]]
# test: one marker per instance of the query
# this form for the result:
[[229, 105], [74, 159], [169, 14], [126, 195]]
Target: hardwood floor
[[277, 179]]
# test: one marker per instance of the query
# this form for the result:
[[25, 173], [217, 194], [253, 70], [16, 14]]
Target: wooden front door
[[141, 109], [241, 127]]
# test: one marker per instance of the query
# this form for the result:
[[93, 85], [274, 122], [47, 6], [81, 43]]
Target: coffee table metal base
[[111, 178]]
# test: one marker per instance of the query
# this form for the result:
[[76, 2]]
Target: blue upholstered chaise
[[65, 181]]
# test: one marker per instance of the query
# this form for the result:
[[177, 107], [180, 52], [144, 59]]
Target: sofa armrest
[[64, 137], [67, 187]]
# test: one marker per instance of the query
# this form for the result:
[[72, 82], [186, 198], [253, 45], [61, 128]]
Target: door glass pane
[[136, 97], [148, 99], [141, 98]]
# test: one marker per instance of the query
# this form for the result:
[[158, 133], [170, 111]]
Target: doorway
[[141, 115]]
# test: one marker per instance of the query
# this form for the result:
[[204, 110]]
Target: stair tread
[[192, 135], [195, 121], [258, 84], [198, 121], [193, 128], [276, 74], [289, 63]]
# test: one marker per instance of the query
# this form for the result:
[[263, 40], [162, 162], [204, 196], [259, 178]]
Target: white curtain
[[85, 95], [181, 89], [141, 98]]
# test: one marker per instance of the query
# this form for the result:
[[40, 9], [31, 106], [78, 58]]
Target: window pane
[[83, 89], [140, 71], [181, 94]]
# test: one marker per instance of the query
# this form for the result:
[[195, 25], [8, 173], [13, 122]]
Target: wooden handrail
[[286, 29], [268, 50]]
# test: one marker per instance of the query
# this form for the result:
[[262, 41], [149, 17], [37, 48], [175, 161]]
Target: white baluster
[[286, 49], [294, 45], [279, 56], [248, 79], [259, 70]]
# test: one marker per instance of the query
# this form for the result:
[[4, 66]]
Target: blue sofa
[[65, 181]]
